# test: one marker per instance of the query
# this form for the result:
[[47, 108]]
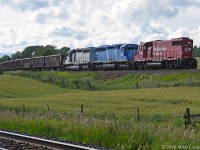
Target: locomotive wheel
[[168, 65], [136, 66], [145, 66], [141, 66], [117, 67], [183, 65], [80, 67]]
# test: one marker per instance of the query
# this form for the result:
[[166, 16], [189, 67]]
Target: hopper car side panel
[[54, 62], [26, 64], [38, 63], [18, 64]]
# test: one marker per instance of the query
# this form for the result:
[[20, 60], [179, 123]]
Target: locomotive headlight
[[187, 49]]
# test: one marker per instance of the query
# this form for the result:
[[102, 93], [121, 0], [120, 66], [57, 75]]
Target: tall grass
[[1, 70], [115, 134], [109, 117]]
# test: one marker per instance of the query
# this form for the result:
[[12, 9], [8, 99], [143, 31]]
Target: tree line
[[35, 51], [196, 51]]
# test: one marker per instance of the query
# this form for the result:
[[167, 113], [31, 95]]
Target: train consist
[[170, 54]]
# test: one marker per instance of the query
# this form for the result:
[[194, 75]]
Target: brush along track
[[158, 71], [112, 74], [16, 141]]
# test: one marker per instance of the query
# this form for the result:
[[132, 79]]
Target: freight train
[[176, 53]]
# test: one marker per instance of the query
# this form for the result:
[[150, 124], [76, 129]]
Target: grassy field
[[18, 87], [109, 118], [116, 80]]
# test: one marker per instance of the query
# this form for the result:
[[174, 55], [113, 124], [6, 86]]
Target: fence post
[[81, 109], [159, 85], [188, 116], [23, 110], [89, 84], [48, 107], [137, 86], [138, 116]]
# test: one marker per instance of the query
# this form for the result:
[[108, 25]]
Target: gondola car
[[10, 65], [38, 63], [54, 62], [4, 65], [17, 64], [26, 64]]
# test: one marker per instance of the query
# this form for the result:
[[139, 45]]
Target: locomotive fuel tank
[[154, 65]]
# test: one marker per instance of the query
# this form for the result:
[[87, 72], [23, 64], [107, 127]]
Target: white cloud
[[25, 5], [80, 23]]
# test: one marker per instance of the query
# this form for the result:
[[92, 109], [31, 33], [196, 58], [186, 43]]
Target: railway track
[[18, 141]]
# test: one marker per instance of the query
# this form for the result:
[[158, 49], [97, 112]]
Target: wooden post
[[137, 86], [81, 109], [48, 107], [63, 83], [23, 110], [188, 116], [185, 118], [159, 85], [138, 116], [89, 84]]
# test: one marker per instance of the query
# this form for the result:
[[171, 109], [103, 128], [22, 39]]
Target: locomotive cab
[[187, 59], [187, 48]]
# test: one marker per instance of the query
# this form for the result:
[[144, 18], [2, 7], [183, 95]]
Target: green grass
[[17, 87], [109, 118], [115, 80]]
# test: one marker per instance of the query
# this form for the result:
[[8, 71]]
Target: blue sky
[[82, 23]]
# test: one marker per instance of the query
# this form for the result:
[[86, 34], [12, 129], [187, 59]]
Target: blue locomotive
[[116, 56]]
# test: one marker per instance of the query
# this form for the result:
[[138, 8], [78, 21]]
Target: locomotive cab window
[[176, 43], [130, 48], [140, 48], [86, 51], [111, 47], [187, 44], [118, 46]]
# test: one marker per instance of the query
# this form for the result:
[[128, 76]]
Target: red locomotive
[[176, 53]]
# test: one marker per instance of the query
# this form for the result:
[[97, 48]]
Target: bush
[[1, 71]]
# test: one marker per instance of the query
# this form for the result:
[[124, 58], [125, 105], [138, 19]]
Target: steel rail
[[43, 142]]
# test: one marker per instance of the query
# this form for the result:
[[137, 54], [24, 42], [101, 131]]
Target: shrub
[[1, 70]]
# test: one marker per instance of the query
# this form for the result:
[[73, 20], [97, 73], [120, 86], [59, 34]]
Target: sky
[[86, 23]]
